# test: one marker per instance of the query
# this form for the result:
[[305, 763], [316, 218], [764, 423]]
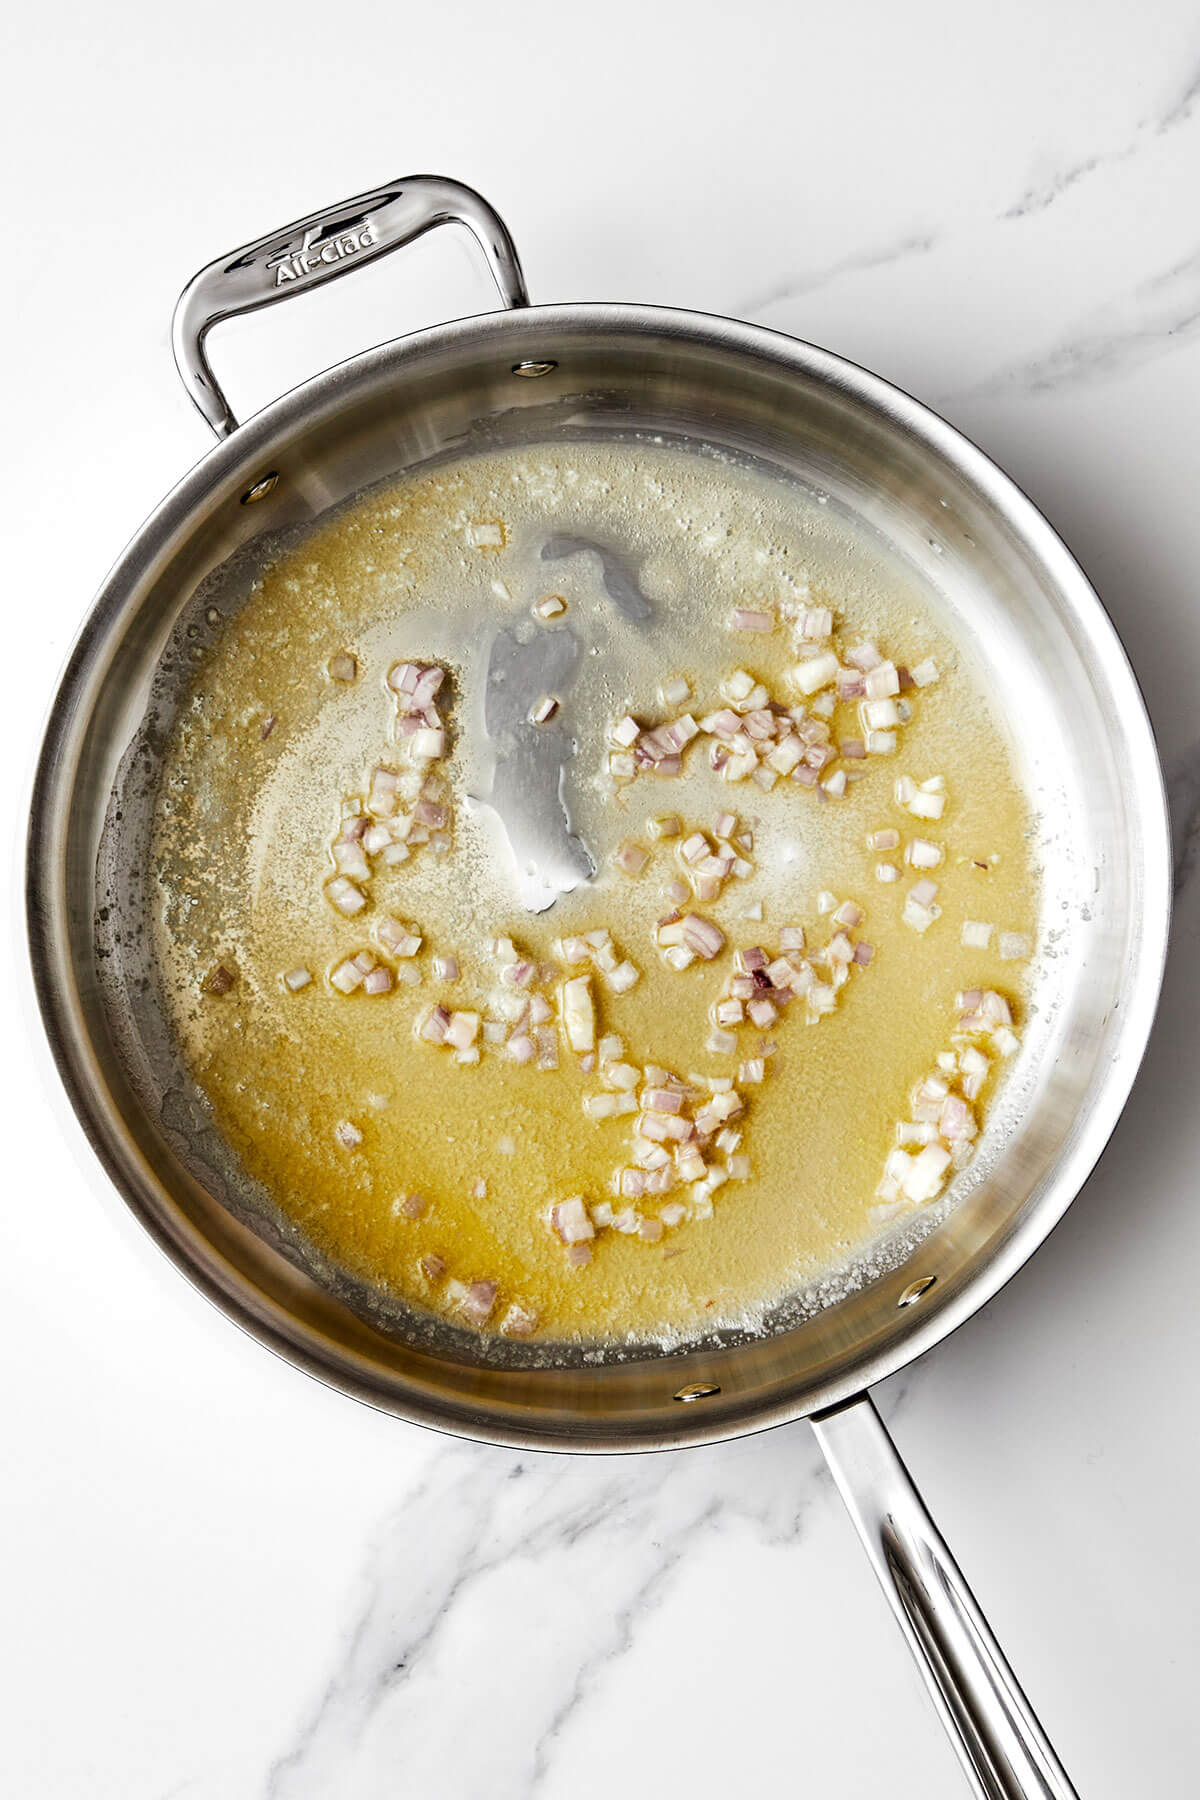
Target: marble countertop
[[222, 1582]]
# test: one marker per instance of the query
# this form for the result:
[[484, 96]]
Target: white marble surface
[[221, 1582]]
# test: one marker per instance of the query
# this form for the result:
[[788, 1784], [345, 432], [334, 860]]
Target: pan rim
[[230, 460]]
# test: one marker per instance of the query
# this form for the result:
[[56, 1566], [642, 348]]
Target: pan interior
[[1013, 602]]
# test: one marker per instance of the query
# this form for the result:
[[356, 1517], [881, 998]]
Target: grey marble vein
[[1176, 112], [1158, 315], [1036, 198], [1041, 194], [618, 1642], [429, 1583], [1181, 108], [791, 287], [1183, 798]]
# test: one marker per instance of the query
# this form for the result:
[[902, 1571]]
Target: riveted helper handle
[[1002, 1747], [326, 244]]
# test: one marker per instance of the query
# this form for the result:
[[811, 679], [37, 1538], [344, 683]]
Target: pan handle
[[326, 244], [1002, 1747]]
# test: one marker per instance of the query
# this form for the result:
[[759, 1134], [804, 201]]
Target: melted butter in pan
[[650, 548]]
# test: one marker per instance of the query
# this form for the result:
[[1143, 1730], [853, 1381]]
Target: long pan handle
[[1005, 1752]]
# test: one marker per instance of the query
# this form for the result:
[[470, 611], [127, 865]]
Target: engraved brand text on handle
[[294, 264]]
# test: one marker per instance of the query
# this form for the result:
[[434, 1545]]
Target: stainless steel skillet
[[531, 374]]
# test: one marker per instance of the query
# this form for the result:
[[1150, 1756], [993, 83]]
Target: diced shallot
[[346, 977], [433, 1026], [396, 938], [815, 624], [702, 936], [995, 1008], [816, 673], [578, 1013], [923, 802], [609, 1106], [924, 855], [351, 861], [631, 858], [478, 1301], [570, 1221], [881, 682], [925, 1174], [956, 1120], [623, 977], [1012, 945], [343, 894], [461, 1030], [920, 917]]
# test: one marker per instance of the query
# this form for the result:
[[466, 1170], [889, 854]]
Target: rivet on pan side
[[697, 1390], [531, 370], [261, 489], [915, 1289]]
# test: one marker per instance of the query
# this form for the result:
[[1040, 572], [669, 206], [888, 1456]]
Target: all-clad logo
[[293, 265]]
